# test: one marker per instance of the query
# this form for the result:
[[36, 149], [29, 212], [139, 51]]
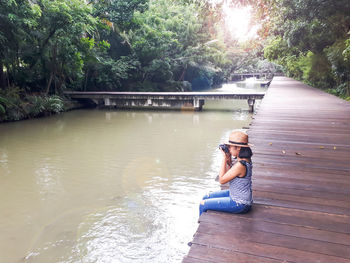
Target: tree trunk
[[183, 73], [49, 84], [86, 79], [42, 47], [144, 76], [59, 89], [2, 76]]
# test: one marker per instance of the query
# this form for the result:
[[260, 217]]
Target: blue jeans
[[221, 201]]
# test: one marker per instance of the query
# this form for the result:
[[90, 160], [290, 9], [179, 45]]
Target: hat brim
[[240, 145]]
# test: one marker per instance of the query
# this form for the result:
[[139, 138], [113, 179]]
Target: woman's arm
[[227, 174], [225, 164]]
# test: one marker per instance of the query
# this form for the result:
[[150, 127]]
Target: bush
[[35, 106], [341, 91], [200, 77], [53, 104], [11, 104], [3, 103], [43, 105], [15, 105]]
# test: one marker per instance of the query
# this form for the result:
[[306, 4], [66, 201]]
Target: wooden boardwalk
[[301, 185]]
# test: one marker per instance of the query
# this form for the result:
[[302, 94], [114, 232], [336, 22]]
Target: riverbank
[[16, 105]]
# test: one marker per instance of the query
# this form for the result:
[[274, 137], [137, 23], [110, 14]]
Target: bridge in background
[[258, 75], [161, 100]]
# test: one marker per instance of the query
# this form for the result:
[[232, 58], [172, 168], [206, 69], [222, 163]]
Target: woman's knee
[[206, 196], [202, 207]]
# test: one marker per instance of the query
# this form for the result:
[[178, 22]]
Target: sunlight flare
[[237, 20]]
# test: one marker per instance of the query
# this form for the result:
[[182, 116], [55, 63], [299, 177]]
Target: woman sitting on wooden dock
[[238, 198]]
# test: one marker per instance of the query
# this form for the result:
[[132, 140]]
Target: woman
[[238, 198]]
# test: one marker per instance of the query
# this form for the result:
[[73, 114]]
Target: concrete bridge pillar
[[197, 104], [251, 103]]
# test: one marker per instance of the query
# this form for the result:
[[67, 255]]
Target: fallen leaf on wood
[[298, 153], [321, 147], [334, 148]]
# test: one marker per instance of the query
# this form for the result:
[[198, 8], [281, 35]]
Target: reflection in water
[[108, 186], [4, 162]]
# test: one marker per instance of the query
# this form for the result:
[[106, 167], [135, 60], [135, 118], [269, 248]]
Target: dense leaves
[[48, 46], [310, 38]]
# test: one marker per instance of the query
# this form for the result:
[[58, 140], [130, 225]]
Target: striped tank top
[[241, 188]]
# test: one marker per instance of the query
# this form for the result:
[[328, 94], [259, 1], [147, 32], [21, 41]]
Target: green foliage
[[318, 71], [172, 42], [346, 51], [16, 105], [310, 39], [12, 103], [3, 103], [48, 46], [119, 12], [341, 91], [113, 72], [41, 42], [43, 105], [35, 106], [52, 45]]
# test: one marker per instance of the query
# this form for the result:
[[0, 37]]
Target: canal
[[108, 185]]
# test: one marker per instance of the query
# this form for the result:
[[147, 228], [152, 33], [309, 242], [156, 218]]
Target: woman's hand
[[227, 157]]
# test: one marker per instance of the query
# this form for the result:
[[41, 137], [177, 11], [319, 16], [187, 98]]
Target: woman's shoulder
[[240, 165], [245, 162]]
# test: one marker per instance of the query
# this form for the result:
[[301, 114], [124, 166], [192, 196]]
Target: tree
[[17, 18], [309, 36], [170, 38]]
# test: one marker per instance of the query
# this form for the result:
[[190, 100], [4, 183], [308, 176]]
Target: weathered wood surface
[[301, 185]]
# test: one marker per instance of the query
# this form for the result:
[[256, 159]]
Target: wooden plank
[[281, 228], [298, 217], [303, 183], [293, 197], [302, 205], [307, 142], [322, 177], [277, 188], [191, 259], [285, 162], [250, 233], [237, 244], [200, 253], [316, 172], [265, 130], [302, 186]]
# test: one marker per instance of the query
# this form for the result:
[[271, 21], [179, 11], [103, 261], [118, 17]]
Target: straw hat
[[238, 138]]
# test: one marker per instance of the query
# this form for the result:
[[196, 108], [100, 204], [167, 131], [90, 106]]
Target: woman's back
[[241, 187]]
